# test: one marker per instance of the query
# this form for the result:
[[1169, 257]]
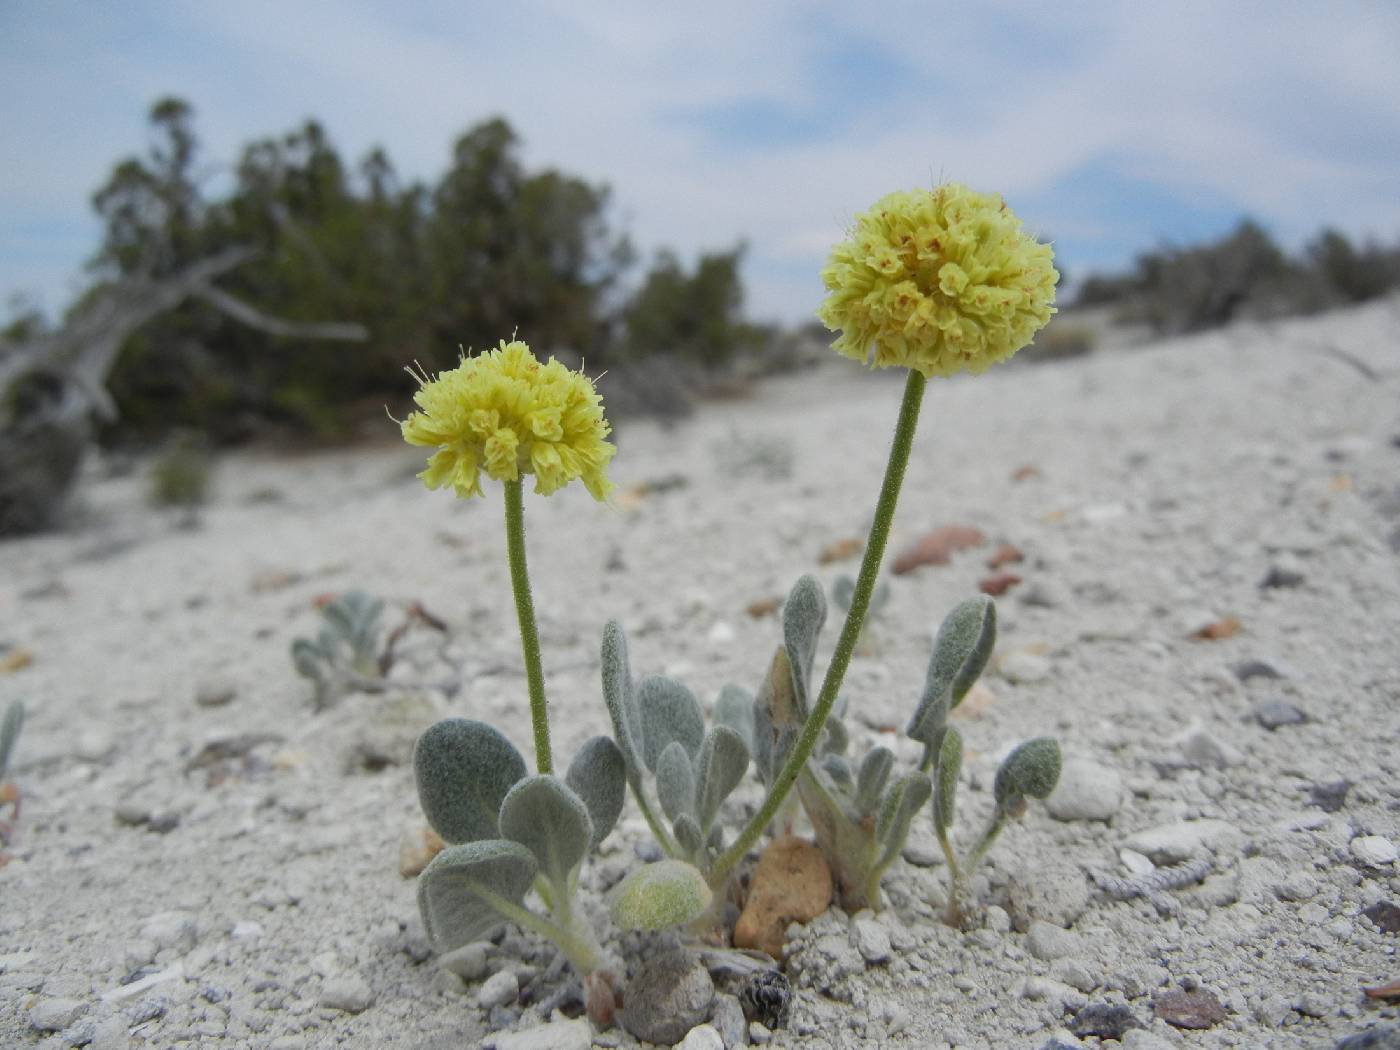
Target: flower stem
[[525, 612], [850, 631]]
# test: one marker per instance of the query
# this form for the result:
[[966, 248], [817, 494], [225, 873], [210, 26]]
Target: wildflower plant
[[10, 726], [346, 647], [961, 650], [937, 282]]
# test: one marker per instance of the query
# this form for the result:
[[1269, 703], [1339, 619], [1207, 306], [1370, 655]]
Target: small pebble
[[1046, 941], [556, 1035], [1105, 1020], [869, 937], [1382, 1037], [215, 692], [1024, 667], [668, 996], [1277, 576], [702, 1037], [499, 989], [54, 1015], [1247, 669], [1375, 851], [759, 1033], [1330, 796], [1195, 1009], [996, 919], [1204, 748], [1274, 714], [1087, 790], [348, 992], [728, 1018], [1385, 915], [467, 962]]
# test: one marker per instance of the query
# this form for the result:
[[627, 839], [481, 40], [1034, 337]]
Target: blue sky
[[1109, 127]]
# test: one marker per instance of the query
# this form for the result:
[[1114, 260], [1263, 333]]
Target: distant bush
[[1244, 274], [180, 477], [1058, 340]]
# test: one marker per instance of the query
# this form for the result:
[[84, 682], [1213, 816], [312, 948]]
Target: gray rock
[[54, 1015], [870, 938], [1274, 1011], [171, 929], [1247, 669], [669, 995], [1087, 790], [499, 989], [1382, 1037], [111, 1034], [1174, 843], [1142, 1039], [467, 962], [759, 1033], [215, 692], [349, 992], [1047, 941], [1024, 668], [728, 1018], [1075, 973], [1297, 886], [1274, 714], [1375, 851], [1204, 748], [1105, 1020], [557, 1035], [702, 1037]]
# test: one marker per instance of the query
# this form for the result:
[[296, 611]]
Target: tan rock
[[792, 883]]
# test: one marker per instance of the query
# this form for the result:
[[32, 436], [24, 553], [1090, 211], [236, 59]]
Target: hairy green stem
[[575, 939], [850, 631], [525, 613]]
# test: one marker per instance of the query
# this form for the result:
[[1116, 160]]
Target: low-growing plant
[[180, 477], [960, 653], [10, 726], [346, 647], [936, 282]]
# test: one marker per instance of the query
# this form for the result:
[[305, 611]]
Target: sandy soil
[[202, 859]]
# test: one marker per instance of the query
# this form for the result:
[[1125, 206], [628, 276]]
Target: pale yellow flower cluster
[[507, 414], [940, 281]]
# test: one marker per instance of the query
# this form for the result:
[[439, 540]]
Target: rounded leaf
[[734, 708], [621, 697], [9, 733], [906, 795], [945, 794], [455, 890], [598, 776], [871, 779], [675, 782], [688, 834], [720, 766], [669, 713], [960, 654], [804, 613], [549, 820], [464, 769], [1031, 771], [659, 896]]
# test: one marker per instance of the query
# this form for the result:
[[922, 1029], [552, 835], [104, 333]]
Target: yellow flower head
[[507, 414], [940, 281]]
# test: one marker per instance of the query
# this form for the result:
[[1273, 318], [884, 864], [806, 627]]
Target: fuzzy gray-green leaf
[[598, 775], [734, 708], [621, 697], [903, 801], [945, 795], [9, 733], [874, 773], [836, 738], [776, 719], [960, 653], [308, 659], [659, 896], [839, 770], [464, 769], [675, 782], [549, 820], [804, 613], [721, 764], [669, 713], [1030, 771], [453, 889], [688, 834]]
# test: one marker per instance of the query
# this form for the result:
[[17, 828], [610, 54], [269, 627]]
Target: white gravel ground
[[163, 894]]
